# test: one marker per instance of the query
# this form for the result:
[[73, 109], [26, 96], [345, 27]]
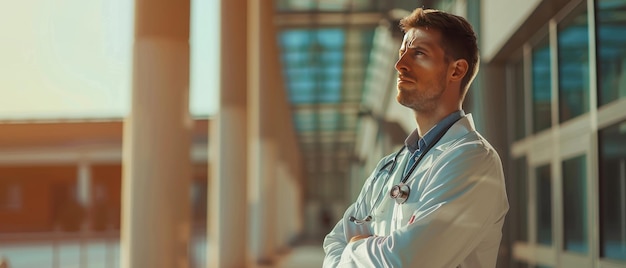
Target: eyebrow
[[420, 45]]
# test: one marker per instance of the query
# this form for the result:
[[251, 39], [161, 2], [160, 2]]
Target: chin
[[399, 97], [402, 100]]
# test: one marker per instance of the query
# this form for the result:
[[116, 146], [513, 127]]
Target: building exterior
[[65, 176]]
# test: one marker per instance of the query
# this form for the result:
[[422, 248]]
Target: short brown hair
[[458, 39]]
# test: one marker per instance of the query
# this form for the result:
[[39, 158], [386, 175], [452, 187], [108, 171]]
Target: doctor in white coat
[[440, 201]]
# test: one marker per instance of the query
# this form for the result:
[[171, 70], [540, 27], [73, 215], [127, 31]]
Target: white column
[[156, 147], [262, 208], [227, 212], [262, 131]]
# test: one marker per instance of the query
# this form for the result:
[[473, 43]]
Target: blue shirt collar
[[413, 142]]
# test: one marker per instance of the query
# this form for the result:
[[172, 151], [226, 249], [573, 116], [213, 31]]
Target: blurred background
[[210, 133]]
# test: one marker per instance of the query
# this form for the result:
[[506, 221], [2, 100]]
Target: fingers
[[358, 237]]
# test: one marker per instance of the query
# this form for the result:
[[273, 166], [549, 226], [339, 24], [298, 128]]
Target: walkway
[[97, 253], [306, 255]]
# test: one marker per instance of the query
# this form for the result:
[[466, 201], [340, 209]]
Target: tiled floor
[[105, 253]]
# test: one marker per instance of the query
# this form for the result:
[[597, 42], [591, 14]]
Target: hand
[[358, 237]]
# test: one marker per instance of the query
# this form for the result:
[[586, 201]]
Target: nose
[[400, 66]]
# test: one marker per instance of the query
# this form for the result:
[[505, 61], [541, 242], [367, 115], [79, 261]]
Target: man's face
[[422, 69]]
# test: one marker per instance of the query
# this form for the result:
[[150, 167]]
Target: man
[[440, 201]]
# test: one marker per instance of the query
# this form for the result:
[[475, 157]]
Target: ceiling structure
[[325, 49]]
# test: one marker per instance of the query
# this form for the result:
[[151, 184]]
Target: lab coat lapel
[[456, 131], [385, 209]]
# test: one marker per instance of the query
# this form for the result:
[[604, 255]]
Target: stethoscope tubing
[[405, 178], [393, 163]]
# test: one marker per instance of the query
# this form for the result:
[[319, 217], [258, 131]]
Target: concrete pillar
[[262, 201], [227, 212], [262, 130], [156, 148]]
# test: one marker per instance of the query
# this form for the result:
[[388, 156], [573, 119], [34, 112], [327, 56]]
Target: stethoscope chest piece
[[400, 193], [360, 222]]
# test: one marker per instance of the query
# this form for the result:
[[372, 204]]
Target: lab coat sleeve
[[336, 241], [461, 199]]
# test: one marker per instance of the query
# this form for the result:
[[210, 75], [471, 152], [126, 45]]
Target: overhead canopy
[[325, 48]]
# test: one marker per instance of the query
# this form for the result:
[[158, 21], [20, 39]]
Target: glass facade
[[611, 50], [573, 55], [544, 205], [575, 204], [612, 152], [566, 131], [542, 93], [566, 86]]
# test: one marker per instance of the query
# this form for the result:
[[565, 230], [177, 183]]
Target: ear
[[459, 69]]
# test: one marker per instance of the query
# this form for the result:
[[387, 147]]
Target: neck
[[449, 102], [427, 120]]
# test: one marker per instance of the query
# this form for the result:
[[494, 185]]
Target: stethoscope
[[392, 166], [401, 191]]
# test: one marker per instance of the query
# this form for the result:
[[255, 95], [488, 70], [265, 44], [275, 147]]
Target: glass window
[[574, 204], [544, 205], [611, 47], [521, 195], [573, 48], [542, 94], [612, 153], [519, 100]]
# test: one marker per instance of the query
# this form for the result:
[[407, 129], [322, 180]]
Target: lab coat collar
[[459, 129], [411, 141], [462, 127], [414, 142]]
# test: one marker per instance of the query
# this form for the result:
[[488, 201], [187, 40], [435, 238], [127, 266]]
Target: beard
[[422, 98]]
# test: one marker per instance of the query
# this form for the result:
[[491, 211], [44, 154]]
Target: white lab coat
[[457, 201]]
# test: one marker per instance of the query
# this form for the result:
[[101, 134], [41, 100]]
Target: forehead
[[422, 37]]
